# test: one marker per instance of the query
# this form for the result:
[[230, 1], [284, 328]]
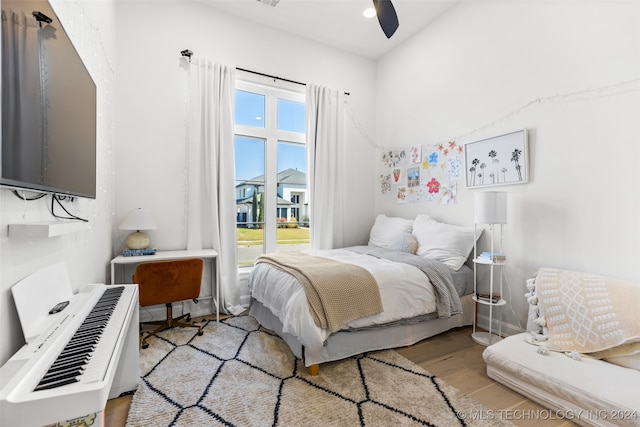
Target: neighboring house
[[292, 197]]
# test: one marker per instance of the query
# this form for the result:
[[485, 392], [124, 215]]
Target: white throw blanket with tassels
[[585, 312]]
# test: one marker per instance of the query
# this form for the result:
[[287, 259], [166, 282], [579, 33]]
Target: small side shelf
[[488, 262], [46, 228], [480, 301], [496, 272]]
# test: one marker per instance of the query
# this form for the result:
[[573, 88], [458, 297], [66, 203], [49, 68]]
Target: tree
[[493, 154], [475, 163], [261, 211], [515, 157], [254, 207]]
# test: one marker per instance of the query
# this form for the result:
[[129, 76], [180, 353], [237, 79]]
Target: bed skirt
[[345, 344]]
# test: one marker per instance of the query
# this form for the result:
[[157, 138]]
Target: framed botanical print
[[499, 160]]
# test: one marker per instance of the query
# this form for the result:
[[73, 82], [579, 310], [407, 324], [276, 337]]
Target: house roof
[[287, 176], [292, 176]]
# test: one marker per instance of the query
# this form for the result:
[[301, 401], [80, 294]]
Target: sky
[[249, 152]]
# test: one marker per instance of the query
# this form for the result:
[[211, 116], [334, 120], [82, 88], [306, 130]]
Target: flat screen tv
[[48, 105]]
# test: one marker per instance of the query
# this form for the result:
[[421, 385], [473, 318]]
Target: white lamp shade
[[490, 207], [138, 219]]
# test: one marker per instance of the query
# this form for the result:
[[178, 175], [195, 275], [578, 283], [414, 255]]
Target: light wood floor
[[452, 356], [455, 358]]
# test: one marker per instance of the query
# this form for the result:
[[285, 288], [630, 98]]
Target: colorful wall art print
[[413, 176], [401, 194], [500, 160], [385, 183], [423, 173]]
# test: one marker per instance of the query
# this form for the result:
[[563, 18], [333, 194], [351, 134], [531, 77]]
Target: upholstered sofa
[[581, 355]]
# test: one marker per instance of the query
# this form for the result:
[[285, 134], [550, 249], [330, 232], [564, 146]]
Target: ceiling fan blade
[[387, 16]]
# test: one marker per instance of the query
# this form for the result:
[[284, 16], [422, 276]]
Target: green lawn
[[253, 237]]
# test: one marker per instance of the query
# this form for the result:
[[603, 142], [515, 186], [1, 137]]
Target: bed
[[424, 283]]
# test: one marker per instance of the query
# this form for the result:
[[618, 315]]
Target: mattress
[[588, 391], [405, 290]]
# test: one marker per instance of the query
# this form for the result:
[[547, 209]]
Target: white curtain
[[324, 127], [23, 103], [211, 188]]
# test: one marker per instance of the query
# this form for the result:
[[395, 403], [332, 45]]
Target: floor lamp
[[490, 208]]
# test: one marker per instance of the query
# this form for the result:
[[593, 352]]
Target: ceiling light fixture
[[369, 12]]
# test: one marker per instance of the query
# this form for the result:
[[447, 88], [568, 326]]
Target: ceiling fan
[[387, 16]]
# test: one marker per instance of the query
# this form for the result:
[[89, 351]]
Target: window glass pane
[[292, 231], [249, 109], [292, 156], [249, 163], [258, 138], [291, 116]]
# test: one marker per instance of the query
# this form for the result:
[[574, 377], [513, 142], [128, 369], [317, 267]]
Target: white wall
[[151, 113], [91, 26], [466, 77], [472, 69]]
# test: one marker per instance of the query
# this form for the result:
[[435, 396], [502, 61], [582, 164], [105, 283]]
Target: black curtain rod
[[270, 76], [189, 53], [276, 77]]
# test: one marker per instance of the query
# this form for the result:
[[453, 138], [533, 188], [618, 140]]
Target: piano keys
[[88, 355], [71, 362]]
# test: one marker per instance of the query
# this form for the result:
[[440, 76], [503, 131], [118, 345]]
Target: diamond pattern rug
[[240, 374]]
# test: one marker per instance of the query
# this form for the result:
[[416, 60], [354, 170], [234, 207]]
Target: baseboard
[[507, 328]]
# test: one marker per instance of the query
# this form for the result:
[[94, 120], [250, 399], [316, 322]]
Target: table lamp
[[491, 208], [138, 219]]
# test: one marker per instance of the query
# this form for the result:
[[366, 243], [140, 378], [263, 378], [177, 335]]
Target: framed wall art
[[499, 160]]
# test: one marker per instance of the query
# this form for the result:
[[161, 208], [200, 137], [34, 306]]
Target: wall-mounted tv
[[48, 105]]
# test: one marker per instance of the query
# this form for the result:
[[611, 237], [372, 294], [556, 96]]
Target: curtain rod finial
[[41, 17], [186, 53]]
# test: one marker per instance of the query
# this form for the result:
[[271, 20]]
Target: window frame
[[272, 137]]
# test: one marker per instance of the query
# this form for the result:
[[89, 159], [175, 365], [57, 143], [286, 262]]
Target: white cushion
[[406, 242], [447, 243], [627, 355], [584, 386], [387, 231], [631, 361]]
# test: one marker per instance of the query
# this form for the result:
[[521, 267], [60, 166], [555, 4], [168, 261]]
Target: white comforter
[[404, 289]]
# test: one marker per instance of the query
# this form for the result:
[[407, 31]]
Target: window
[[270, 160]]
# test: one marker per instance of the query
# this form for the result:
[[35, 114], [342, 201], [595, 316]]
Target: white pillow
[[447, 243], [387, 230]]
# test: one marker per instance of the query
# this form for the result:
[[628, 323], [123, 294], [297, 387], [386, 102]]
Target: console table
[[209, 255]]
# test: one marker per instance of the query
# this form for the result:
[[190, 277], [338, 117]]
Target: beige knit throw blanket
[[587, 313], [337, 292]]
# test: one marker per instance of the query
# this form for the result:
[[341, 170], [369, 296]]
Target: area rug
[[240, 374]]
